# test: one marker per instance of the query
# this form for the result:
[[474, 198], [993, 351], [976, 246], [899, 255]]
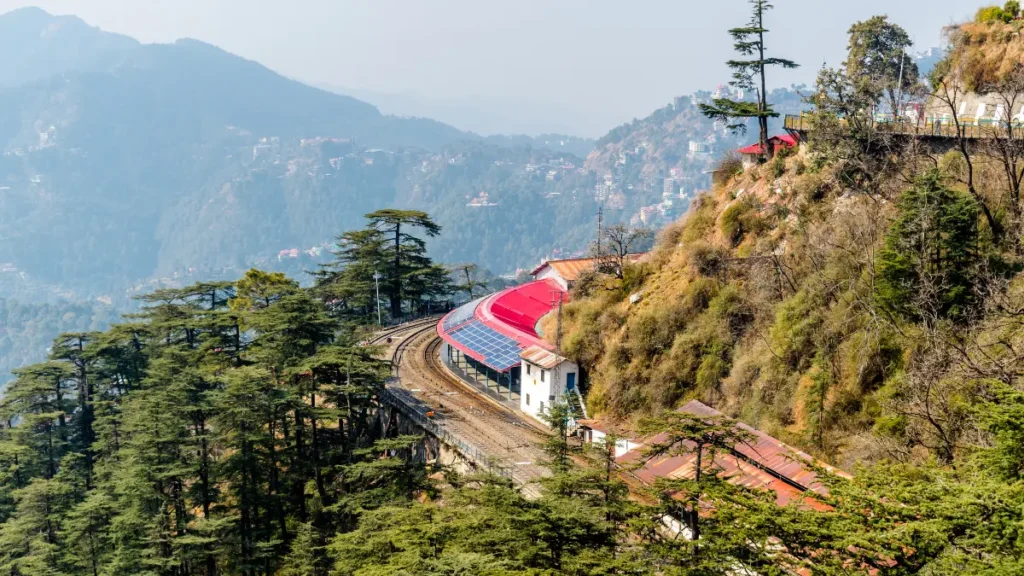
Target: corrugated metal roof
[[571, 268], [729, 467], [772, 453], [540, 357], [765, 462]]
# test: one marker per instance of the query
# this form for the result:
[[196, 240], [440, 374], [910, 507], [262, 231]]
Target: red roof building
[[765, 463], [775, 142]]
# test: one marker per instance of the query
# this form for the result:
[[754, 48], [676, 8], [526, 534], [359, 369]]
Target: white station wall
[[537, 395]]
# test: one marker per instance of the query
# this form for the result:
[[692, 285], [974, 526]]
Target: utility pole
[[558, 326], [558, 330], [899, 89], [376, 280], [600, 218]]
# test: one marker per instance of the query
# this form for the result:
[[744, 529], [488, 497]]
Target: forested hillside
[[130, 167], [240, 428], [26, 330]]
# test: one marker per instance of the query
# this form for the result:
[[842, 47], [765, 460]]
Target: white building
[[545, 378], [593, 432], [564, 272], [567, 272]]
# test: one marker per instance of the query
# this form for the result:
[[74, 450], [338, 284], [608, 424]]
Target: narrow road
[[504, 438]]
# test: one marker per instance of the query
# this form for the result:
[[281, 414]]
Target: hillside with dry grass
[[989, 50], [737, 302], [860, 297]]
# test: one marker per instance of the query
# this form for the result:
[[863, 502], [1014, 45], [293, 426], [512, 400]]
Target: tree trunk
[[762, 103], [396, 279]]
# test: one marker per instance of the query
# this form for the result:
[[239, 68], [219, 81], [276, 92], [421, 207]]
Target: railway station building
[[494, 344], [545, 378]]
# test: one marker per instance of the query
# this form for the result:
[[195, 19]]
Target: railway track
[[494, 436], [396, 330]]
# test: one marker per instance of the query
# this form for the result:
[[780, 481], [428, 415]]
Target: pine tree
[[30, 543], [749, 75], [930, 267], [406, 254]]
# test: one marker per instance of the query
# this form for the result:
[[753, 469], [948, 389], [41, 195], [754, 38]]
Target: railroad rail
[[392, 331], [489, 436]]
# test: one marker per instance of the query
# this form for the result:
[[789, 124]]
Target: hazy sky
[[606, 61]]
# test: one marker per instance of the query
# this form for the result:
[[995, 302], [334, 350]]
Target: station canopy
[[493, 330], [489, 346]]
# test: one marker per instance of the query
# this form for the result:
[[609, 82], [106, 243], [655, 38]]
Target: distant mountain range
[[481, 114], [127, 166]]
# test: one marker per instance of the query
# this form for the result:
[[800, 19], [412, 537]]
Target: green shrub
[[713, 368], [993, 14], [633, 277], [700, 293], [583, 342], [732, 225], [741, 218], [778, 165], [797, 323], [730, 306], [708, 260]]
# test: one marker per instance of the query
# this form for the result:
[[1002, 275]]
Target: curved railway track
[[396, 330], [490, 431]]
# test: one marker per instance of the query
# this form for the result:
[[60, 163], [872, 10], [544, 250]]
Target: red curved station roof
[[494, 329]]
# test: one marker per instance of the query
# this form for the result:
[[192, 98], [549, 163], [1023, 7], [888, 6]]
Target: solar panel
[[461, 315], [499, 351]]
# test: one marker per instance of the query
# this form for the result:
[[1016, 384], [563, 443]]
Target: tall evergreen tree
[[931, 265], [749, 75], [406, 254], [384, 259]]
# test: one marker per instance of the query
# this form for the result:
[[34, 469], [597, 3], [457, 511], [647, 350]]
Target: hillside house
[[597, 432], [752, 154], [567, 272]]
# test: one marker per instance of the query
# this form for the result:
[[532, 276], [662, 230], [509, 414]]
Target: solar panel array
[[499, 351], [461, 315]]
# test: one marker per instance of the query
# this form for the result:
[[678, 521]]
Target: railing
[[579, 398], [970, 128], [470, 452]]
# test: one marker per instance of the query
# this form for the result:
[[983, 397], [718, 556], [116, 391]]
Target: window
[[527, 399], [527, 368], [551, 399], [543, 373]]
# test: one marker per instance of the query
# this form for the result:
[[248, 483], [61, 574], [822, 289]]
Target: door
[[570, 380]]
